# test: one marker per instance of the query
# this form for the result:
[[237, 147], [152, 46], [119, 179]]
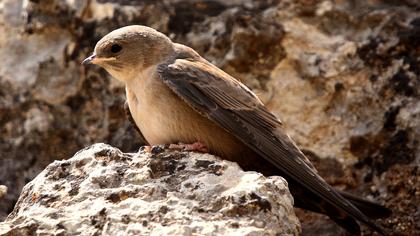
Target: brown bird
[[176, 96]]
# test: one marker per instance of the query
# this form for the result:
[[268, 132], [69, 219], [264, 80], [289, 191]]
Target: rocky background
[[343, 75]]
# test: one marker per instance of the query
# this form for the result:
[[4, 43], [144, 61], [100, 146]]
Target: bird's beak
[[89, 60]]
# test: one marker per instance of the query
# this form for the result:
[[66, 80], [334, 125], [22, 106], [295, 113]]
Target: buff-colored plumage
[[174, 95], [163, 118]]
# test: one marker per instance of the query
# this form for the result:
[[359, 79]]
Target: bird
[[175, 96]]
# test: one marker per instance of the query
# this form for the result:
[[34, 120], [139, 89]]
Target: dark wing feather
[[227, 102]]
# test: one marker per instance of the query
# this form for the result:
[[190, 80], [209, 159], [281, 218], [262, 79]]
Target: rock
[[3, 191], [341, 75], [102, 190]]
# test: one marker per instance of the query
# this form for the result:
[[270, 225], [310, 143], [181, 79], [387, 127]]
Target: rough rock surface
[[103, 191], [342, 75]]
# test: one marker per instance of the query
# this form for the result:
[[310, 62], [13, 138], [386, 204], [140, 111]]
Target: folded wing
[[231, 105]]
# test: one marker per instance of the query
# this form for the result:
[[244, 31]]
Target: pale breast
[[164, 118]]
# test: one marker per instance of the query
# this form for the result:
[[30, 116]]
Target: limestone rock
[[102, 190], [3, 190]]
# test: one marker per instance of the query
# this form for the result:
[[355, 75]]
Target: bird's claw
[[147, 149], [197, 146]]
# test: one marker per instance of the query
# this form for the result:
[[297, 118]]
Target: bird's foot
[[197, 146], [147, 148]]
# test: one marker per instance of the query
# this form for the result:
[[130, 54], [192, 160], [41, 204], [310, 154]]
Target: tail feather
[[371, 209], [347, 223]]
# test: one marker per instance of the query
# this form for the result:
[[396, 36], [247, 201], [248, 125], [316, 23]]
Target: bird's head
[[128, 51]]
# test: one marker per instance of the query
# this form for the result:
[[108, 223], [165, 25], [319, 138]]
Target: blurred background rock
[[344, 76]]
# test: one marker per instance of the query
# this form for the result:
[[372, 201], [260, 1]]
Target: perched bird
[[176, 96]]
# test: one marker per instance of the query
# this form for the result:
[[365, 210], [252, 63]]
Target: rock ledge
[[104, 191]]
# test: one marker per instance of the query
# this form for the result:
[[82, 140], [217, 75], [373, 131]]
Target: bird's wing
[[228, 103]]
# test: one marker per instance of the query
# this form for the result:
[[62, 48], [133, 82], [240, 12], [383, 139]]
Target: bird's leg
[[147, 148], [197, 146]]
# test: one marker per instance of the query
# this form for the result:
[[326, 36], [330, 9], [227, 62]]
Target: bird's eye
[[116, 48]]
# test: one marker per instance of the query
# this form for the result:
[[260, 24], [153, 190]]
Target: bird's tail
[[371, 209]]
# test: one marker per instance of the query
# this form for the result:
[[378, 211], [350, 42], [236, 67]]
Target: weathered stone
[[3, 190], [102, 190]]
